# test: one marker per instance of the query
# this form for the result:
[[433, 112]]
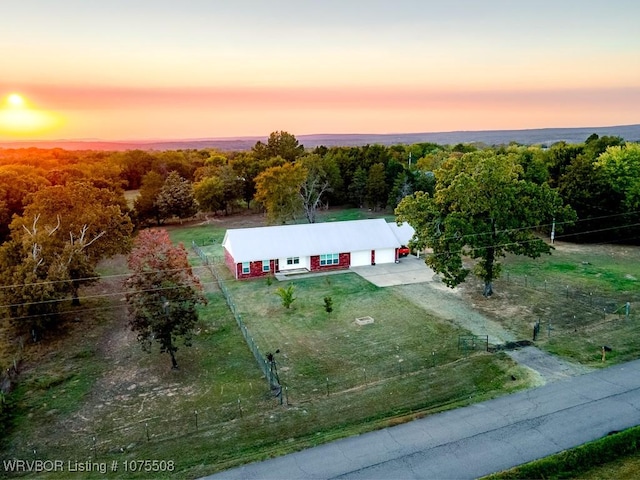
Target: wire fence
[[267, 365], [225, 416], [573, 306]]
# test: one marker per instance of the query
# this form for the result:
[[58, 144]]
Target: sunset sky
[[161, 69]]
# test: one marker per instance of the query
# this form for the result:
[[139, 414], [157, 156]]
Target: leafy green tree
[[534, 165], [247, 168], [133, 164], [358, 187], [232, 187], [559, 157], [433, 160], [17, 183], [219, 188], [280, 144], [33, 290], [595, 145], [372, 154], [482, 209], [423, 181], [346, 163], [402, 187], [278, 189], [162, 293], [176, 198], [74, 227], [393, 170], [621, 167], [176, 161], [328, 305], [54, 249], [287, 295], [209, 193], [587, 189], [377, 186], [145, 206]]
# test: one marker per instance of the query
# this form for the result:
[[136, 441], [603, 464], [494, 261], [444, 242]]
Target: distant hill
[[537, 136]]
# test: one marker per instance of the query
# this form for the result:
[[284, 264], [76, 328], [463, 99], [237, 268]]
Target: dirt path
[[549, 367], [447, 303]]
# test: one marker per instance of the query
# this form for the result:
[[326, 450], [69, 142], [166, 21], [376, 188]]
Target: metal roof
[[283, 241], [403, 232]]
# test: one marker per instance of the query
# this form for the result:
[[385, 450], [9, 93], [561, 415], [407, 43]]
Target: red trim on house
[[231, 264], [255, 270], [344, 261]]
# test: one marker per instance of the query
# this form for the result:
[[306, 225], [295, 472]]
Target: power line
[[539, 226], [102, 295], [98, 277], [130, 292]]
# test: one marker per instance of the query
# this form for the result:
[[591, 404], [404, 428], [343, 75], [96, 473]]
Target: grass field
[[320, 351], [578, 294], [93, 380], [93, 394]]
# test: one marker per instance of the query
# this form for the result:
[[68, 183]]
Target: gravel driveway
[[412, 279]]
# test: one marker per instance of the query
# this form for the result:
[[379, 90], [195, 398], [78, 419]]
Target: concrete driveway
[[409, 270]]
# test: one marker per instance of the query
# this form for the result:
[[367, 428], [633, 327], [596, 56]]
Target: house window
[[266, 265], [293, 261], [329, 259], [246, 267]]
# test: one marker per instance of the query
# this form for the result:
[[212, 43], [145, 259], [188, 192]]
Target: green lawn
[[315, 345], [606, 269], [341, 378], [580, 292]]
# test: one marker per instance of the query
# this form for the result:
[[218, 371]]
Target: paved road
[[473, 441]]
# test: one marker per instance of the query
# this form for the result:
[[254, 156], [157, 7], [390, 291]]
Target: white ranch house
[[262, 251]]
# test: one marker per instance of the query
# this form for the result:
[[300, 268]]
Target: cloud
[[261, 98]]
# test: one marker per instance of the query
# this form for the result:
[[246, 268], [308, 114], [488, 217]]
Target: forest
[[63, 212]]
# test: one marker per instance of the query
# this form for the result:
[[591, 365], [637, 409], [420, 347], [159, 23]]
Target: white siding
[[386, 255], [304, 262], [361, 258]]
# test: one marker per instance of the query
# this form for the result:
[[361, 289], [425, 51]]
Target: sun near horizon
[[19, 119]]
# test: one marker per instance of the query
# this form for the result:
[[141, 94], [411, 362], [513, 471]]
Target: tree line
[[61, 212], [288, 182]]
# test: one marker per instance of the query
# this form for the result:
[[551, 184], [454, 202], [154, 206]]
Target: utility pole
[[553, 230]]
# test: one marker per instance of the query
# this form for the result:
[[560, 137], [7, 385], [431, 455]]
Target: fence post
[[245, 333]]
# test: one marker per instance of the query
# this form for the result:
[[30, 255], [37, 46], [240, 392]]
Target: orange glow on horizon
[[18, 119]]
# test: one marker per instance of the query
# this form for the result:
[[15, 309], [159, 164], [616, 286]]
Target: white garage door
[[359, 259], [387, 255]]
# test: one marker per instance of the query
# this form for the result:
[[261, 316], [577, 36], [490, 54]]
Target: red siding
[[255, 269], [344, 260], [231, 264]]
